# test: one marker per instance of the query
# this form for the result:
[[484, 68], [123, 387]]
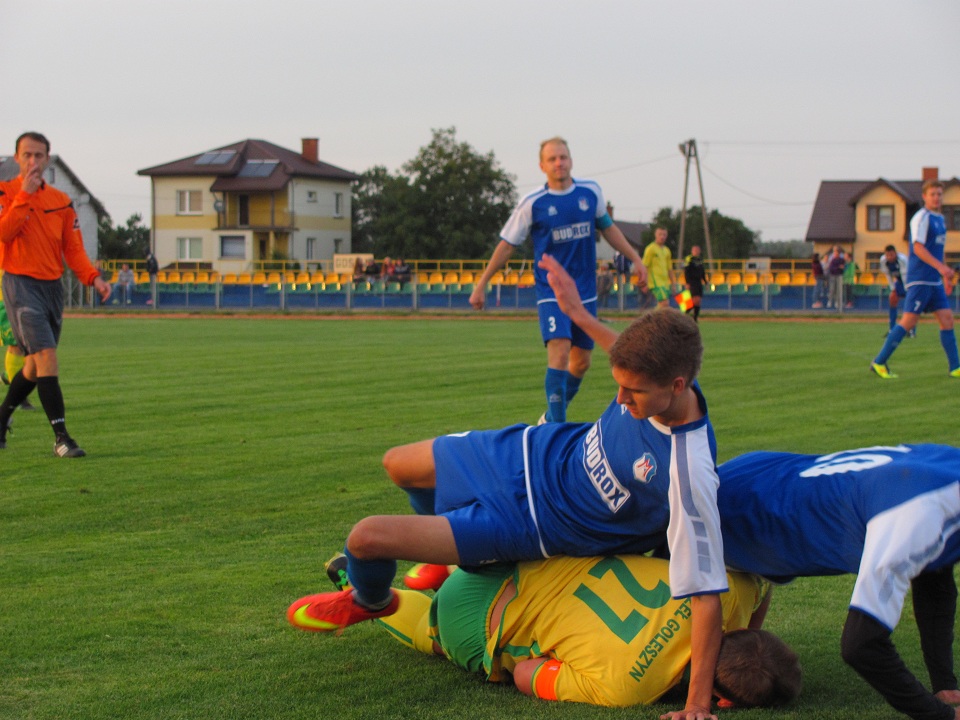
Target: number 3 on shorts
[[552, 323]]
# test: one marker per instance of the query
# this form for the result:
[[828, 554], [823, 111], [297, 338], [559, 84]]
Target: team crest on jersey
[[644, 468], [584, 205], [76, 223], [552, 210]]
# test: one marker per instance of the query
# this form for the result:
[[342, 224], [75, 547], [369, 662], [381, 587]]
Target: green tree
[[729, 237], [447, 202], [123, 242]]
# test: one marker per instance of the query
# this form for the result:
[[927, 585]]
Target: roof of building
[[250, 166], [834, 213], [9, 169]]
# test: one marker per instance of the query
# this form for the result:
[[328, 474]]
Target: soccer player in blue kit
[[644, 472], [562, 218], [929, 282], [890, 515]]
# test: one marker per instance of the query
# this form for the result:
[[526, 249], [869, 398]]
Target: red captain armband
[[545, 679]]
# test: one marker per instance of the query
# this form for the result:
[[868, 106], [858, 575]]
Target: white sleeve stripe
[[526, 479]]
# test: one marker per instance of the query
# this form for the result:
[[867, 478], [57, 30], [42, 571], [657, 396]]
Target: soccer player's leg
[[555, 328], [411, 467], [581, 352], [410, 624], [371, 551], [948, 338]]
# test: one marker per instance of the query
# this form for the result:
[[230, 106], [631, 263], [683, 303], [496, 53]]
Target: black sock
[[696, 313], [48, 390], [20, 387]]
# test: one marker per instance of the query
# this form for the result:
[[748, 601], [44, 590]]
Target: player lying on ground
[[529, 492], [604, 631], [888, 514]]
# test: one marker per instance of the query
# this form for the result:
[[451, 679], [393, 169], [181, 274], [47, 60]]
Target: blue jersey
[[619, 485], [930, 230], [563, 224], [885, 513]]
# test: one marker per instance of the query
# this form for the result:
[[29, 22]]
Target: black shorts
[[35, 311]]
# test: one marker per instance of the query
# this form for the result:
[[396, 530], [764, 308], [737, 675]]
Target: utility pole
[[689, 150]]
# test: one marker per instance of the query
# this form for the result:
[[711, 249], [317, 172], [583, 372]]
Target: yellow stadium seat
[[782, 278], [799, 278], [273, 278], [435, 278], [497, 278], [230, 279], [203, 277], [143, 277], [718, 278], [162, 276], [259, 278], [750, 278], [332, 277], [527, 280], [866, 278], [511, 278], [318, 278], [766, 278], [466, 277], [451, 277], [302, 278], [213, 277], [173, 276], [344, 278], [187, 277], [734, 278]]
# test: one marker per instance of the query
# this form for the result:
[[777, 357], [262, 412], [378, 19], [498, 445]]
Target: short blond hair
[[932, 183], [554, 139]]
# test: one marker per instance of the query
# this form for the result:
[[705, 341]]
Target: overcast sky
[[778, 95]]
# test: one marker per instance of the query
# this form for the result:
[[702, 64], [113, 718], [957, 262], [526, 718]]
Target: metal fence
[[759, 298]]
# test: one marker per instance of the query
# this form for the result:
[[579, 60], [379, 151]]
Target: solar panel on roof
[[216, 157], [258, 168]]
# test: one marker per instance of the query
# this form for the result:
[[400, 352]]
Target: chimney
[[310, 149], [610, 210], [931, 173]]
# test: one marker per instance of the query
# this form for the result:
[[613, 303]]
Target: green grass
[[229, 457]]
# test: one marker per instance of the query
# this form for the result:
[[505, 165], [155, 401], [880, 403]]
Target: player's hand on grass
[[690, 713]]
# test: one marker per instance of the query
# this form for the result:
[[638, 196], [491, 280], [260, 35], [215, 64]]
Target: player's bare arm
[[501, 254], [615, 237]]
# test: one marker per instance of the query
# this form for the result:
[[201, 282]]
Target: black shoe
[[3, 433], [66, 446], [337, 571], [25, 405]]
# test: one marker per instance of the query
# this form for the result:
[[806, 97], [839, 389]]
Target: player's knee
[[393, 463], [365, 539]]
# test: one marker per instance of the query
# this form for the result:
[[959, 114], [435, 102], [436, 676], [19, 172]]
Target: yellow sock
[[14, 363]]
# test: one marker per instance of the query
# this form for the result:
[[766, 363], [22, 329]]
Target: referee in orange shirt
[[39, 231]]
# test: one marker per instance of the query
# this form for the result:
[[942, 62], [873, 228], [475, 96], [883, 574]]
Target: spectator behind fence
[[604, 284], [123, 287], [358, 270], [820, 280], [850, 271], [835, 268], [401, 271]]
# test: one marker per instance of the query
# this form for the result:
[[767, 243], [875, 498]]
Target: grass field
[[229, 457]]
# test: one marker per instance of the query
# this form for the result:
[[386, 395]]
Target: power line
[[752, 195], [832, 143]]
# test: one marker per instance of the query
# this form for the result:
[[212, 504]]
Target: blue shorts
[[35, 311], [555, 325], [898, 289], [481, 490], [925, 299]]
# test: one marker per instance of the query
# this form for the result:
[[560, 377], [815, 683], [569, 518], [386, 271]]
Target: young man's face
[[31, 154], [933, 198], [891, 255], [660, 237], [642, 397], [556, 164]]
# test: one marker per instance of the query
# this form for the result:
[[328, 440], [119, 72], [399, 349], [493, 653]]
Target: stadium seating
[[527, 279], [782, 278], [718, 278], [466, 277], [799, 278], [750, 278], [435, 278], [734, 278], [451, 277]]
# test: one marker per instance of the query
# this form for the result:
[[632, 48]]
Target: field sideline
[[228, 457]]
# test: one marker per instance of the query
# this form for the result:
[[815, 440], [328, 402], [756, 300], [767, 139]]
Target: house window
[[233, 247], [189, 248], [243, 210], [311, 196], [879, 218], [951, 214], [338, 204], [311, 247], [189, 202]]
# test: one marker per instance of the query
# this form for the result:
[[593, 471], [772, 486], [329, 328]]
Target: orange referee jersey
[[39, 232]]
